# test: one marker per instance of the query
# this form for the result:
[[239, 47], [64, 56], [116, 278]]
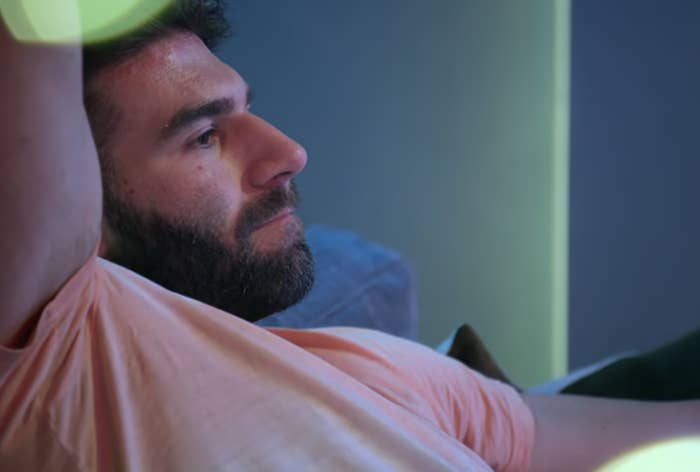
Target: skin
[[50, 189], [199, 191], [205, 173]]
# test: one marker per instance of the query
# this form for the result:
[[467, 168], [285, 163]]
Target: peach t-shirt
[[121, 374]]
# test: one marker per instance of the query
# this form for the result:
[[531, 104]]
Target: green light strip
[[560, 187]]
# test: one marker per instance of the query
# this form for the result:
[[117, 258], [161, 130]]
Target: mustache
[[269, 205]]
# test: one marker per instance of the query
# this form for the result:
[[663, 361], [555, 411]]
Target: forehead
[[169, 73]]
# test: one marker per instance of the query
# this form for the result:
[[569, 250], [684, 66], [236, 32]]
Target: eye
[[206, 139]]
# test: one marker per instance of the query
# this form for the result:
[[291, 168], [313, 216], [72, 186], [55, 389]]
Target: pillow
[[357, 283]]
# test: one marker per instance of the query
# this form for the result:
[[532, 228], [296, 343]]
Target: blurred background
[[635, 165], [535, 161]]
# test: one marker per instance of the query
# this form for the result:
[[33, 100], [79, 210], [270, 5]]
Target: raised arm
[[50, 189], [575, 433]]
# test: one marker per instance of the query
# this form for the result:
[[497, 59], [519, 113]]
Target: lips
[[279, 216], [269, 208]]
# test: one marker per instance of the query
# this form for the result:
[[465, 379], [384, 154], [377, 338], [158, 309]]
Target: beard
[[193, 260]]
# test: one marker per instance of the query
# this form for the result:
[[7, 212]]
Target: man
[[222, 231], [101, 369]]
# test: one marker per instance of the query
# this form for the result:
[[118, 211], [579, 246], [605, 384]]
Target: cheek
[[194, 195], [214, 208]]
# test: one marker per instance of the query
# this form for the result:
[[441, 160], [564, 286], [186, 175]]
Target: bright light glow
[[679, 455], [57, 20], [101, 22], [560, 190]]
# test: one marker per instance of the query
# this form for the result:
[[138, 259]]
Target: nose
[[272, 158]]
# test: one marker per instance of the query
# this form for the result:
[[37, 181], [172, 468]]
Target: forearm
[[50, 190], [576, 433]]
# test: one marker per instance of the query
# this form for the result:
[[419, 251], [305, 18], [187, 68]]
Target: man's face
[[199, 194]]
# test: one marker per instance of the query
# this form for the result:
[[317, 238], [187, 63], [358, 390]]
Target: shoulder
[[408, 373], [56, 325], [482, 413], [370, 346]]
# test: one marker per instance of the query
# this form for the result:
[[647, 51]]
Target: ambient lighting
[[560, 190], [55, 21], [678, 455]]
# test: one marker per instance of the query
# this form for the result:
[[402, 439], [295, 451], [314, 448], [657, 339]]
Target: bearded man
[[103, 369]]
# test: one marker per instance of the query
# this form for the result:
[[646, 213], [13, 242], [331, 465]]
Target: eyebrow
[[212, 108]]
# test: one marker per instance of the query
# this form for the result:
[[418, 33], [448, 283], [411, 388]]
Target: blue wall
[[431, 128], [424, 122], [635, 171]]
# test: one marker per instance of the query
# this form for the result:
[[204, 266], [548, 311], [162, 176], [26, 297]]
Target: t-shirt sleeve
[[487, 416], [76, 296]]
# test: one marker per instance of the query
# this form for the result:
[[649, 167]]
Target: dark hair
[[203, 18]]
